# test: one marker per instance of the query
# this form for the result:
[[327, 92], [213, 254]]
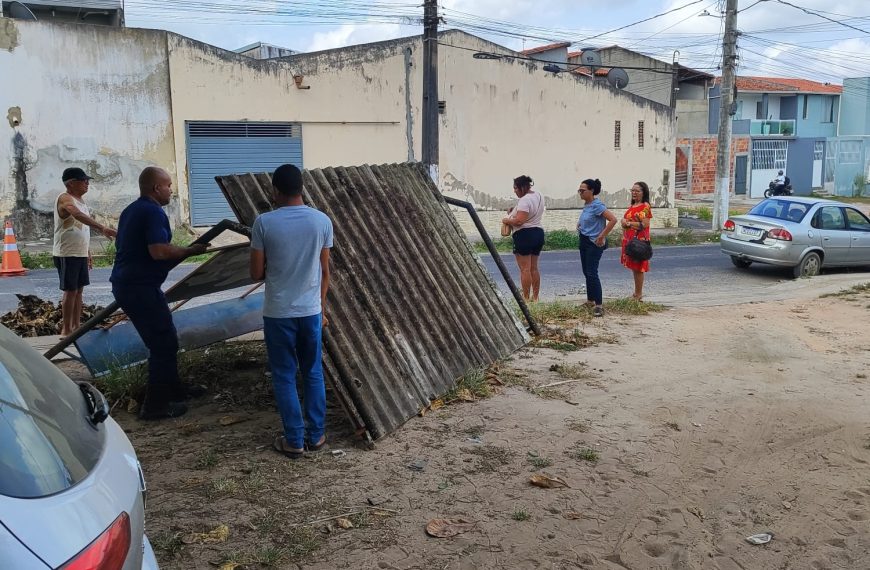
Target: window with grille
[[617, 134], [769, 155], [818, 150], [640, 134]]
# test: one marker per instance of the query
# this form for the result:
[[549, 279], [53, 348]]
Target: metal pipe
[[107, 311], [498, 261]]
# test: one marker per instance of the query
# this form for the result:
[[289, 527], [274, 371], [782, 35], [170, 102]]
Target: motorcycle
[[774, 189]]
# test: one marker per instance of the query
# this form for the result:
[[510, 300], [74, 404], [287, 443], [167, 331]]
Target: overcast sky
[[776, 40]]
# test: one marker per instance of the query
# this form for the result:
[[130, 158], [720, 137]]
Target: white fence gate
[[768, 158]]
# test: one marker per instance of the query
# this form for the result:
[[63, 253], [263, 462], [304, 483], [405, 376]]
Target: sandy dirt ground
[[677, 433]]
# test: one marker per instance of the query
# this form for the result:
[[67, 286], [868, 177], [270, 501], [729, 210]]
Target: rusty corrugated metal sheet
[[411, 307]]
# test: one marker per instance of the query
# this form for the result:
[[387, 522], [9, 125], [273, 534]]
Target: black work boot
[[158, 405]]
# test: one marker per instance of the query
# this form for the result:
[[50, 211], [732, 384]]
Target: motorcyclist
[[779, 182]]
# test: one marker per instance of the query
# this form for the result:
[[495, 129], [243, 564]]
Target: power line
[[677, 9], [812, 13]]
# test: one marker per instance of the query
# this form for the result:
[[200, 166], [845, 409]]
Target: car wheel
[[809, 266], [740, 263]]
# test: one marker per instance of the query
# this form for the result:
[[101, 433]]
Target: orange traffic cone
[[11, 258]]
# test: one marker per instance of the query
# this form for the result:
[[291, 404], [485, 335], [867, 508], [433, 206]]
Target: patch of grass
[[41, 260], [557, 345], [253, 482], [630, 306], [269, 556], [538, 462], [560, 240], [106, 258], [563, 240], [577, 424], [267, 523], [570, 371], [490, 457], [185, 239], [474, 385], [856, 290], [361, 520], [705, 213], [549, 312], [207, 459], [235, 557], [521, 514], [584, 454], [222, 487], [167, 542], [300, 542], [122, 382]]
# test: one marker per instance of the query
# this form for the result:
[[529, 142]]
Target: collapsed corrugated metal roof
[[411, 307]]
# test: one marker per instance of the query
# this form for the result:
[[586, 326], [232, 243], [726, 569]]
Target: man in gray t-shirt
[[290, 249]]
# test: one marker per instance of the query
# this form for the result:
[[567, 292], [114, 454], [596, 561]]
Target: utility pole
[[726, 100], [430, 87]]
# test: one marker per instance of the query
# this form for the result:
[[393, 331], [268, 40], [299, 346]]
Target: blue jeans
[[295, 344], [590, 257], [146, 307]]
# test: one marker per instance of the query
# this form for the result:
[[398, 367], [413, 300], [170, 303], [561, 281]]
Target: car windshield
[[785, 210], [46, 444]]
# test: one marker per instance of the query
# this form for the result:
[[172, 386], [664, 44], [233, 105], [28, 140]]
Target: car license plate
[[752, 232]]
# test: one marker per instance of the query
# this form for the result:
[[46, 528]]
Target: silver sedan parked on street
[[805, 234], [72, 496]]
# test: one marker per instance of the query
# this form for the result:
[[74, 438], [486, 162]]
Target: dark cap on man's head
[[74, 174]]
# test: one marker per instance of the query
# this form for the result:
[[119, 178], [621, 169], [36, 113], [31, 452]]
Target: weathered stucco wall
[[508, 117], [354, 112], [78, 95], [116, 100]]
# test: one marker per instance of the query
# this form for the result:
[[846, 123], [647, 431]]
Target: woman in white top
[[526, 219]]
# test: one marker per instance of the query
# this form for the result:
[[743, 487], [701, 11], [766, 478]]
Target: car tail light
[[729, 226], [108, 551], [779, 233]]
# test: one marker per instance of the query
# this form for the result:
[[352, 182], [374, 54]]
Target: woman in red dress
[[636, 222]]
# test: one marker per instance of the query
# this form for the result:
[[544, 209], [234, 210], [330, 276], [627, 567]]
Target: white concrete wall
[[354, 112], [86, 96], [115, 100], [506, 118]]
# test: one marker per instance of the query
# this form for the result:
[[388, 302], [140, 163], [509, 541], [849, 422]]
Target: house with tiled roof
[[556, 53], [788, 121]]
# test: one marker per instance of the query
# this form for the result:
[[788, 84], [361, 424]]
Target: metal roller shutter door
[[221, 149]]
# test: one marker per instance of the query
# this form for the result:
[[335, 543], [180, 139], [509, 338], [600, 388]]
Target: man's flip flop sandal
[[317, 447], [278, 445]]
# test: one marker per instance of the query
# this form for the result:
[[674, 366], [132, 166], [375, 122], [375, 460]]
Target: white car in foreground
[[72, 494]]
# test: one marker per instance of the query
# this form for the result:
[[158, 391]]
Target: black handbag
[[639, 249]]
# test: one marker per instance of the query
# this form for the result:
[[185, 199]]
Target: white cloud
[[825, 46], [352, 34]]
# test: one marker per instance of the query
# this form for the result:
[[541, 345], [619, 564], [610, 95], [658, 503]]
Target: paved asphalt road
[[674, 269]]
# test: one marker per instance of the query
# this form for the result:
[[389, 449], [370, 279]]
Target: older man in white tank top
[[72, 240]]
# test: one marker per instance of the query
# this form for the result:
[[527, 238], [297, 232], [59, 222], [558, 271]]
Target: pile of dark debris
[[37, 317]]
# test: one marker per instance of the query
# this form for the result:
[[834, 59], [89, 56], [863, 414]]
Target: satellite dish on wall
[[19, 11], [591, 58], [617, 78]]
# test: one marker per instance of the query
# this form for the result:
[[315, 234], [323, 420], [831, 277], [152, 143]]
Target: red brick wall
[[704, 149]]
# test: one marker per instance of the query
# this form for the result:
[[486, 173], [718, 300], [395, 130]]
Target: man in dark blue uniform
[[144, 257]]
